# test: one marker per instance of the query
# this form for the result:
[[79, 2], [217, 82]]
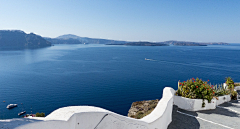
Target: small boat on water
[[11, 106], [21, 113], [150, 59]]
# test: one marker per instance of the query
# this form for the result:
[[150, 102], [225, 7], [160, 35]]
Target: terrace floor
[[225, 116]]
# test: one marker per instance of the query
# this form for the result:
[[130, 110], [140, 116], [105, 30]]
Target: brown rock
[[140, 109]]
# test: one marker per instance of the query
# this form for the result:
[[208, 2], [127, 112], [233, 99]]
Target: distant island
[[19, 39], [185, 43], [74, 39], [141, 44]]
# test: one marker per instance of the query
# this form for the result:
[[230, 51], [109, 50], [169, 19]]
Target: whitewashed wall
[[193, 104]]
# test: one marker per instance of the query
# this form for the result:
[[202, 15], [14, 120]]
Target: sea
[[107, 76]]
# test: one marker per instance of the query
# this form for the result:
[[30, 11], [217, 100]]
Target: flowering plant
[[196, 89]]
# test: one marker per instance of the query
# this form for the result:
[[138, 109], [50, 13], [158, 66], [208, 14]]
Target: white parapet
[[237, 88], [193, 104], [88, 117], [223, 99]]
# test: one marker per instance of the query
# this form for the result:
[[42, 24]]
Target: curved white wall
[[88, 117]]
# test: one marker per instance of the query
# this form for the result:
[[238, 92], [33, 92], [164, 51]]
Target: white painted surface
[[224, 85], [237, 88], [161, 116], [88, 117], [228, 98], [193, 104], [66, 112], [223, 99]]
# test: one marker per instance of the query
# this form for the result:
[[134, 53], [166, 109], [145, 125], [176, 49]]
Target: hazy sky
[[148, 20]]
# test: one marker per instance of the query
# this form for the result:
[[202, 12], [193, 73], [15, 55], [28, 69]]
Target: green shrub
[[230, 83], [234, 95], [196, 89], [237, 84], [40, 114], [139, 115]]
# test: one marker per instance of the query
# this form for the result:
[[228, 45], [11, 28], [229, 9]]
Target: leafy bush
[[234, 95], [196, 89], [40, 114], [230, 83], [139, 115], [237, 84]]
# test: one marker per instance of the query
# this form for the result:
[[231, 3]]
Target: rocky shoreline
[[140, 109]]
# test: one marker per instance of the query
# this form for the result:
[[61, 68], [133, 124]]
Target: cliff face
[[20, 39], [140, 109], [63, 41]]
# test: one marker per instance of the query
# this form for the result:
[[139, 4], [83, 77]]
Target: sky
[[129, 20]]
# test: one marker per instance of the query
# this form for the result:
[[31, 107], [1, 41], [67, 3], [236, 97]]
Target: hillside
[[73, 39], [63, 41], [19, 39], [141, 44]]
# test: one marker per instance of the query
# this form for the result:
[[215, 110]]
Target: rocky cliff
[[19, 39], [140, 109]]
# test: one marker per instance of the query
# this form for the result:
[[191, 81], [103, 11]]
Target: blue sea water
[[111, 77]]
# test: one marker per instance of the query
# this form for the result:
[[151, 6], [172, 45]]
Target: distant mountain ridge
[[141, 44], [74, 39], [19, 39], [68, 36], [186, 43]]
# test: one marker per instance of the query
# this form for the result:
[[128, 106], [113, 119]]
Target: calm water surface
[[111, 77]]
